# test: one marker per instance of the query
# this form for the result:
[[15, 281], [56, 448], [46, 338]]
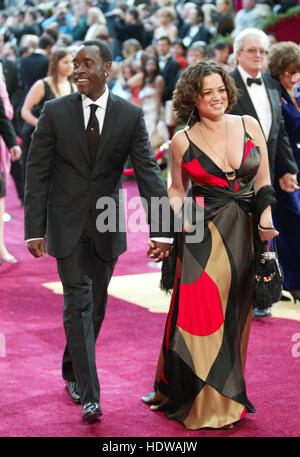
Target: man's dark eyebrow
[[85, 59]]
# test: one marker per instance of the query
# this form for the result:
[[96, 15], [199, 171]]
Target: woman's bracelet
[[260, 227]]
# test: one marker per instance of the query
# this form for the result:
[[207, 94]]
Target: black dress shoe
[[91, 412], [261, 312], [72, 389]]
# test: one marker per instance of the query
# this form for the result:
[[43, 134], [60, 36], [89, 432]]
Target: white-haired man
[[259, 96]]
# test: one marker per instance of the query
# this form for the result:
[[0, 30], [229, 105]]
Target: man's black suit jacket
[[33, 67], [170, 73], [63, 185], [203, 34], [12, 81], [278, 143]]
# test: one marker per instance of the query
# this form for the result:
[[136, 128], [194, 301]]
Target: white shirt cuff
[[163, 240]]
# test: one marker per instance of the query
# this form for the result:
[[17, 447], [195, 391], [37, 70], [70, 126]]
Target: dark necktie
[[254, 81], [92, 132]]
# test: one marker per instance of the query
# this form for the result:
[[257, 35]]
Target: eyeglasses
[[291, 73], [253, 51]]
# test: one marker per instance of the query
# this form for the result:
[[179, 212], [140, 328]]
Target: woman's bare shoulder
[[235, 119], [180, 142], [179, 136]]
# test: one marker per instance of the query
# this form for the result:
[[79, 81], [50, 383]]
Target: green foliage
[[271, 20]]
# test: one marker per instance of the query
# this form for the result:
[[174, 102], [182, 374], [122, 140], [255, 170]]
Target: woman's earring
[[192, 112], [105, 74]]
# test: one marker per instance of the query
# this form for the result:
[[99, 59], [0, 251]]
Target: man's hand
[[288, 182], [37, 248], [15, 153], [159, 251]]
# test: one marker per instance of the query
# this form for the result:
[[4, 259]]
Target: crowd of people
[[241, 104]]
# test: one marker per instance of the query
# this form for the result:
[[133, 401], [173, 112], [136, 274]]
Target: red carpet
[[33, 402]]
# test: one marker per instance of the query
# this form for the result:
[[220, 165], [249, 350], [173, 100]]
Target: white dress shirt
[[100, 112], [260, 99]]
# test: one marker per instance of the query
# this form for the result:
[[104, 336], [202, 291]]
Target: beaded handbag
[[268, 282]]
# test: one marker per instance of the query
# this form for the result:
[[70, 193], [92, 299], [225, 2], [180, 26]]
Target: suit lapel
[[243, 97], [273, 95]]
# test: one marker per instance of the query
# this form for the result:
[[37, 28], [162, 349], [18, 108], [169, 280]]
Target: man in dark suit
[[169, 67], [73, 181], [259, 96], [194, 30], [35, 65]]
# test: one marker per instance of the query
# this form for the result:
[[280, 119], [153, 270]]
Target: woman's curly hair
[[190, 85], [282, 56]]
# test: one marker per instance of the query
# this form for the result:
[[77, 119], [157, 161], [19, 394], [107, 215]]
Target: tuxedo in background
[[259, 97], [170, 70], [193, 29], [276, 137], [188, 37], [67, 193], [169, 67]]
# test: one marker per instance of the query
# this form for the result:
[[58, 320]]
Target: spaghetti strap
[[187, 136], [245, 130], [244, 124]]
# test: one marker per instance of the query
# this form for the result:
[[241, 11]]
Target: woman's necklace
[[229, 174]]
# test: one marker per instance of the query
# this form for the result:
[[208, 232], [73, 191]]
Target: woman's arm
[[34, 96], [266, 230], [180, 178]]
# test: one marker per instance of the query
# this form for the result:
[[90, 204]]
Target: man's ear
[[107, 67]]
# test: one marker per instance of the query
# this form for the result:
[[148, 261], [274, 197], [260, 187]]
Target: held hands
[[159, 251], [37, 248], [288, 182], [15, 153]]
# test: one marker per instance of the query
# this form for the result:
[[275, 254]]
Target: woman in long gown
[[200, 373], [284, 63]]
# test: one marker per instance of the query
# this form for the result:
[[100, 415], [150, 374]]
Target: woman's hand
[[267, 233], [159, 251], [15, 153]]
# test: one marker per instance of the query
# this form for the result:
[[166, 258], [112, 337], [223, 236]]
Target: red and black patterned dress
[[201, 368]]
